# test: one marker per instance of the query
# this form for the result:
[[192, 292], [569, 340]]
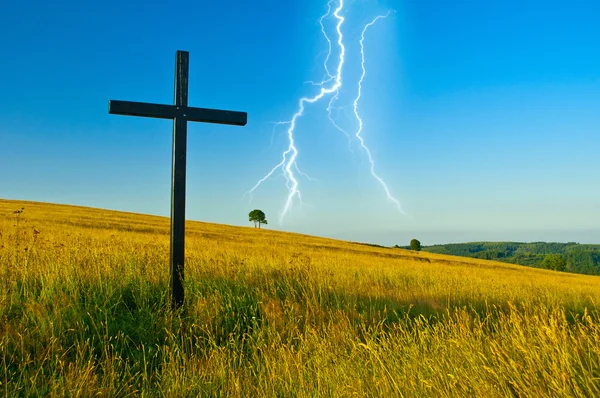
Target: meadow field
[[84, 312]]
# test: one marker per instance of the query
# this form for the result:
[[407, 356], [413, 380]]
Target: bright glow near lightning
[[360, 122], [289, 156]]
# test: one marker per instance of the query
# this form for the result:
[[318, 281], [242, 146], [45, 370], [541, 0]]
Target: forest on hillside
[[570, 257]]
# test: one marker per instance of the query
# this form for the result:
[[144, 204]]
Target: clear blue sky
[[483, 116]]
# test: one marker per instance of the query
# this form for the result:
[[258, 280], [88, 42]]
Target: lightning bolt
[[360, 122], [330, 116], [330, 77], [288, 162], [331, 84]]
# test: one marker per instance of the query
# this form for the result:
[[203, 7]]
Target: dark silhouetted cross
[[181, 114]]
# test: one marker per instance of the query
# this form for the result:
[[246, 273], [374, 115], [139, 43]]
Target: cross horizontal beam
[[130, 108]]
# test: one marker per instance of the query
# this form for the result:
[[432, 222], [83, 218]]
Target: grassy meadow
[[83, 312]]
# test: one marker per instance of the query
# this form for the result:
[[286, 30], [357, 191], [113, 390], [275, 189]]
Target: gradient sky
[[483, 116]]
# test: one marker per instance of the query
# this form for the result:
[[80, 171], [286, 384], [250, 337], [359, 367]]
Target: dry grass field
[[82, 313]]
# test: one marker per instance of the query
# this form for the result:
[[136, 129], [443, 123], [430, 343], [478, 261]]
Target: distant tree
[[555, 262], [415, 245], [258, 216]]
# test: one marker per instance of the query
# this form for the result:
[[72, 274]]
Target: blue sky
[[482, 116]]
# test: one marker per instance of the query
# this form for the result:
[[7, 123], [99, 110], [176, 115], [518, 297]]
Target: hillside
[[82, 310], [570, 257]]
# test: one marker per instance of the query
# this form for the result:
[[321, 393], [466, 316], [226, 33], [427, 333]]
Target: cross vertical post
[[180, 113], [178, 180]]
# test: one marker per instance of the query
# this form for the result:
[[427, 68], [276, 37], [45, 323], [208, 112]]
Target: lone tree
[[555, 262], [258, 216], [415, 245]]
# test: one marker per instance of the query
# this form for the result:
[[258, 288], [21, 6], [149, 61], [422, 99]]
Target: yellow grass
[[82, 312]]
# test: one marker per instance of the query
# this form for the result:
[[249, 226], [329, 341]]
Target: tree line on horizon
[[569, 257]]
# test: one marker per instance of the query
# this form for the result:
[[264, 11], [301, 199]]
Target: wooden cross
[[181, 114]]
